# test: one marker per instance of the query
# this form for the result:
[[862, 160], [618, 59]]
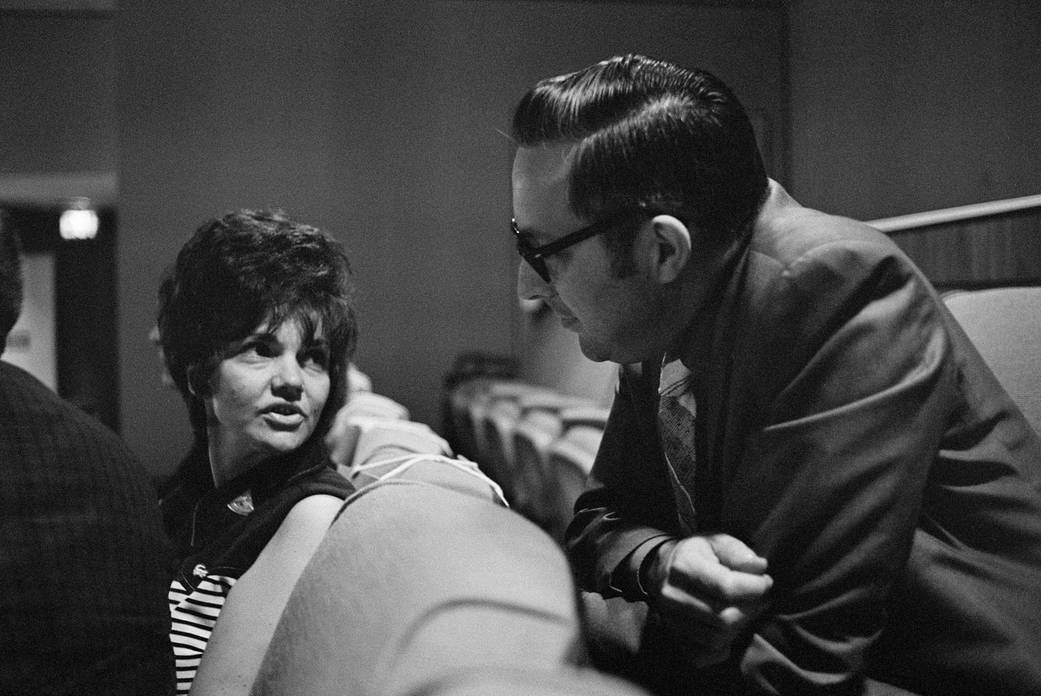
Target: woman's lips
[[283, 416]]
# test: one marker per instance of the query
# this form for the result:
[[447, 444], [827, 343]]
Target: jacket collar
[[710, 325]]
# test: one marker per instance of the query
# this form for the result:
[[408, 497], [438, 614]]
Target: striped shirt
[[193, 613], [219, 532]]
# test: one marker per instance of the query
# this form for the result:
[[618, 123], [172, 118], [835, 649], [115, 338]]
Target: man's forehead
[[540, 182], [548, 163]]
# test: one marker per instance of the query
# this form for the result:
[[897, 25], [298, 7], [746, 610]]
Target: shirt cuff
[[626, 578]]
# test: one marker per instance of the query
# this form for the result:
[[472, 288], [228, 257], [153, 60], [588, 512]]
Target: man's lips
[[567, 319]]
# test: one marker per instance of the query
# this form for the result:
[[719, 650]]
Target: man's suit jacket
[[848, 432], [83, 560]]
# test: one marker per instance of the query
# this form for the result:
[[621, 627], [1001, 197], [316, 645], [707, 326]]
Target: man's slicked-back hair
[[239, 271], [651, 134]]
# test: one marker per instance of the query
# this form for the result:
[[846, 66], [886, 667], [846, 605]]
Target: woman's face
[[266, 397]]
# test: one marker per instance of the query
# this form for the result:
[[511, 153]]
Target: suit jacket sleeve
[[626, 510], [856, 386]]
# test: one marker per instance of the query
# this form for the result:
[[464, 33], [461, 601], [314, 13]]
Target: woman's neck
[[225, 467]]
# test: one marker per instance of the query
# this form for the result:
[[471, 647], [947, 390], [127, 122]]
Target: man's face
[[613, 317]]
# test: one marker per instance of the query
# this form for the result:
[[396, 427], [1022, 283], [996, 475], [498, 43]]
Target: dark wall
[[383, 122], [901, 107], [57, 93], [58, 130]]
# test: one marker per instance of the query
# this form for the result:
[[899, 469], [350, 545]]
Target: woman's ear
[[671, 248]]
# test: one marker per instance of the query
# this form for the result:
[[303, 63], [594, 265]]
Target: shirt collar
[[674, 377]]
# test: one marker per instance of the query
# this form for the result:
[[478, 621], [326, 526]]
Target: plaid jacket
[[83, 559]]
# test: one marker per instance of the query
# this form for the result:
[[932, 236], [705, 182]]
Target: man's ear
[[671, 240]]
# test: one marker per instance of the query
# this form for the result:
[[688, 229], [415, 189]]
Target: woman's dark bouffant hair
[[243, 269]]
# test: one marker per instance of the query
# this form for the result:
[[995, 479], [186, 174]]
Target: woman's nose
[[288, 380], [530, 285]]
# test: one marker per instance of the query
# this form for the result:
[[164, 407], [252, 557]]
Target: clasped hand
[[706, 589]]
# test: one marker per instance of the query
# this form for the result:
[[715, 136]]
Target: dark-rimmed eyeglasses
[[536, 255]]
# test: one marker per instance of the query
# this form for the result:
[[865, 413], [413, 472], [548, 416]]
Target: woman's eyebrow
[[264, 337]]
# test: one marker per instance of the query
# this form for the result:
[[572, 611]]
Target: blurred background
[[385, 123]]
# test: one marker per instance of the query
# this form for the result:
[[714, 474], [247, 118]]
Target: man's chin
[[593, 352]]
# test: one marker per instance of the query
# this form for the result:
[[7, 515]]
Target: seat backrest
[[514, 682], [479, 406], [1005, 326], [415, 584], [496, 455], [535, 433], [570, 461]]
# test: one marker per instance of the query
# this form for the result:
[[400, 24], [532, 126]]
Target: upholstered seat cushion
[[416, 583], [1005, 326]]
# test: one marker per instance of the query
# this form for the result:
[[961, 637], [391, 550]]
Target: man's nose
[[530, 285]]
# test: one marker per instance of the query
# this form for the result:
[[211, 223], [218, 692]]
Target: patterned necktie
[[676, 416]]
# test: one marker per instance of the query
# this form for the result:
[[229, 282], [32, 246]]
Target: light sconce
[[78, 220]]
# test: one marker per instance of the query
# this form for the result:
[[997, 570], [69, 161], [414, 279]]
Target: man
[[83, 574], [808, 474]]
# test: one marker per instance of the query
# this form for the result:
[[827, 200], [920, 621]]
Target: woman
[[257, 327]]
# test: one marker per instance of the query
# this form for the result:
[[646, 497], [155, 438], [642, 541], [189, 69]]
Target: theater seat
[[500, 682], [459, 401], [533, 436], [477, 407], [525, 476], [418, 589], [361, 406], [496, 451], [1005, 326], [380, 449], [570, 460], [494, 415]]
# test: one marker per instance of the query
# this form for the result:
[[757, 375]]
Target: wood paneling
[[999, 250]]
